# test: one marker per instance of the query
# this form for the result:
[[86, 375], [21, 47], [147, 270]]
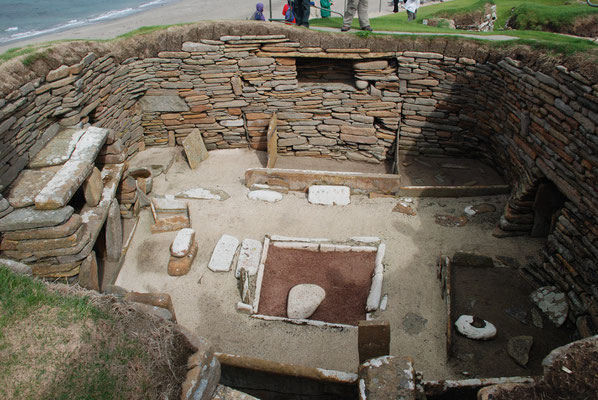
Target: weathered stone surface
[[53, 232], [249, 257], [59, 149], [199, 47], [30, 218], [171, 103], [178, 266], [552, 303], [88, 273], [304, 300], [93, 187], [227, 393], [387, 377], [475, 328], [373, 339], [59, 190], [329, 195], [43, 244], [16, 267], [201, 381], [518, 348], [114, 233], [375, 294], [53, 270], [223, 254], [163, 300], [370, 65], [195, 149], [28, 184], [404, 208], [203, 194], [182, 243], [269, 196]]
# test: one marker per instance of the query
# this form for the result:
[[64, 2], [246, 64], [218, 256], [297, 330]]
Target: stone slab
[[59, 149], [388, 377], [182, 243], [92, 188], [552, 302], [373, 339], [203, 194], [195, 149], [300, 180], [114, 233], [30, 218], [329, 195], [249, 257], [61, 188], [272, 142], [88, 273], [53, 270], [168, 103], [223, 254], [43, 244], [53, 232], [375, 294], [28, 184], [269, 196], [168, 205]]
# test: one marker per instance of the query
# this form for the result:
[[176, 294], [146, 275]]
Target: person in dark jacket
[[258, 15], [301, 10]]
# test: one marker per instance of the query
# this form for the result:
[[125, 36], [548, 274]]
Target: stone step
[[30, 218], [28, 184], [53, 232], [61, 188]]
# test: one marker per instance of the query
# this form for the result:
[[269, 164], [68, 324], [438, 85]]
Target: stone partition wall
[[534, 121]]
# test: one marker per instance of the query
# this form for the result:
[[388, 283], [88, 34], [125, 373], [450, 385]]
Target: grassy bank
[[58, 344]]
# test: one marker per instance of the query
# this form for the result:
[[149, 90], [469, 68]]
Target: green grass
[[547, 41]]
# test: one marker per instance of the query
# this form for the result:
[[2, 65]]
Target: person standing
[[411, 6], [287, 11], [258, 15], [361, 6], [301, 9], [396, 5], [325, 5]]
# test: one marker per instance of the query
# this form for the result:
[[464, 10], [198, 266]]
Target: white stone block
[[265, 195], [329, 195], [223, 254], [182, 242], [373, 300]]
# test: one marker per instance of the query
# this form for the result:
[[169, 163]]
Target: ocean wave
[[113, 14]]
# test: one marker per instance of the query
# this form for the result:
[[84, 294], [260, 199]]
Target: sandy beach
[[183, 11]]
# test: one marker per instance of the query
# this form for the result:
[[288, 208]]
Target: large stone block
[[373, 339]]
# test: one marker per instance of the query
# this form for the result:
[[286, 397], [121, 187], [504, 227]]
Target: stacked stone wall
[[535, 124]]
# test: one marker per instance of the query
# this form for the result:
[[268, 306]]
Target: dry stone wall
[[439, 97]]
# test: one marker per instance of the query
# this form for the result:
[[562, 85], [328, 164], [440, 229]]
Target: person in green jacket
[[325, 5]]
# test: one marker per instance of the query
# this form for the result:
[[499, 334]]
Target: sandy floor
[[205, 301]]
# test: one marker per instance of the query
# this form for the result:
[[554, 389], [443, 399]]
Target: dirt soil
[[205, 301], [345, 276], [487, 293]]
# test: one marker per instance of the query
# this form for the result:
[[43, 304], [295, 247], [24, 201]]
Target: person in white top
[[411, 6]]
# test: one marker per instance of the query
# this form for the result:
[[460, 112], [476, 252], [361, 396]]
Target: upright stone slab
[[249, 257], [114, 233], [329, 195], [272, 137], [88, 273], [223, 254], [59, 149], [195, 149], [92, 188], [30, 218], [373, 339], [388, 377]]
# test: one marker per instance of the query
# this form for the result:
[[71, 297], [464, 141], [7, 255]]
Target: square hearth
[[343, 270]]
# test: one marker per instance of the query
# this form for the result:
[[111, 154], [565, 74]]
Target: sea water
[[27, 18]]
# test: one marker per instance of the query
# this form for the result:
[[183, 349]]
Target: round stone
[[304, 300], [475, 328]]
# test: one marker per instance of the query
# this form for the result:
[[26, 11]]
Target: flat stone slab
[[552, 303], [59, 149], [61, 188], [163, 104], [169, 204], [466, 325], [30, 218], [223, 254], [195, 149], [203, 194], [53, 232], [518, 348], [269, 196], [375, 294], [329, 195], [249, 257], [304, 300], [182, 242], [28, 184]]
